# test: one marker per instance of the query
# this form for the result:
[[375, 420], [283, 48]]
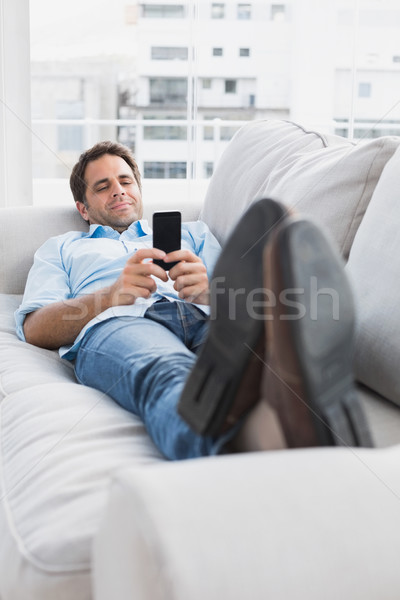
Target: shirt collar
[[136, 229]]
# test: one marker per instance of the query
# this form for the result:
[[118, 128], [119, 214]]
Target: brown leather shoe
[[308, 378], [226, 379]]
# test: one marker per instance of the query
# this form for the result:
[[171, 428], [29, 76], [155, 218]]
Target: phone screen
[[166, 234]]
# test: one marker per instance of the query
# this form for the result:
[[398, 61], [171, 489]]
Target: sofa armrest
[[307, 524]]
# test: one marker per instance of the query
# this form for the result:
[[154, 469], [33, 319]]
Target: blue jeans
[[143, 363]]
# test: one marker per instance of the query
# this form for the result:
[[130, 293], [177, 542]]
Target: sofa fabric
[[374, 267], [322, 176], [15, 258], [279, 525]]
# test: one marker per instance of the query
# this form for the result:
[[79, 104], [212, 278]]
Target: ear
[[82, 209]]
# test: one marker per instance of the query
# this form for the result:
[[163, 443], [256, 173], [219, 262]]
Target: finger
[[145, 268], [139, 281], [155, 270], [129, 293], [159, 272], [189, 280], [144, 253], [184, 268], [178, 255], [193, 293]]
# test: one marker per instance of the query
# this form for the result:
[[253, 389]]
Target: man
[[269, 367]]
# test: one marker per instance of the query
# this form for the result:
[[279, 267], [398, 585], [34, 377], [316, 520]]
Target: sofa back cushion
[[324, 176], [22, 231], [374, 269]]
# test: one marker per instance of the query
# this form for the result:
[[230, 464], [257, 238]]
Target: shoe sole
[[227, 374], [316, 320]]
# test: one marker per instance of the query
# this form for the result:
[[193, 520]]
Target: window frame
[[278, 12], [218, 10], [163, 8], [230, 86], [364, 89], [244, 52], [169, 53], [244, 11], [15, 108]]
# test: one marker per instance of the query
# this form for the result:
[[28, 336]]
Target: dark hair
[[77, 180]]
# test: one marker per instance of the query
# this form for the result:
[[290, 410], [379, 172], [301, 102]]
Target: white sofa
[[88, 507]]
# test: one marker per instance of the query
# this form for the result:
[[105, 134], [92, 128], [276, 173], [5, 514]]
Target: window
[[364, 90], [164, 132], [227, 133], [217, 10], [217, 52], [244, 11], [164, 170], [169, 53], [208, 168], [278, 12], [127, 136], [230, 86], [163, 11], [168, 91], [206, 83], [70, 137], [396, 59], [208, 132], [244, 51]]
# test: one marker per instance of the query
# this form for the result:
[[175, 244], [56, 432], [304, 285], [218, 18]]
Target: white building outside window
[[145, 73]]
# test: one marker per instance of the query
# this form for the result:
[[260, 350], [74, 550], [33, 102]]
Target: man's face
[[112, 194]]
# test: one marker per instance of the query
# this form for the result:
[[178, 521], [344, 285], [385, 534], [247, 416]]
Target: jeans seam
[[183, 319]]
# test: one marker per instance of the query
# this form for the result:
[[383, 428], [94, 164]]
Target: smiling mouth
[[121, 206]]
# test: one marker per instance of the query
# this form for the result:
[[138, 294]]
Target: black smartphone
[[167, 234]]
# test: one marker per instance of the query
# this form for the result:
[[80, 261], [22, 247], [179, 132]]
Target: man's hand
[[136, 279], [189, 276], [59, 323]]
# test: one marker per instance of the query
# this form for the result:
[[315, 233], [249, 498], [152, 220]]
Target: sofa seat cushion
[[60, 445], [374, 268], [323, 176], [8, 304], [24, 365]]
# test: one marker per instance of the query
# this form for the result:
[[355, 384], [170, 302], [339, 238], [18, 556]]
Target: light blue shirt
[[78, 263]]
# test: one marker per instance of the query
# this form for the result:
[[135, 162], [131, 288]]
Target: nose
[[117, 190]]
